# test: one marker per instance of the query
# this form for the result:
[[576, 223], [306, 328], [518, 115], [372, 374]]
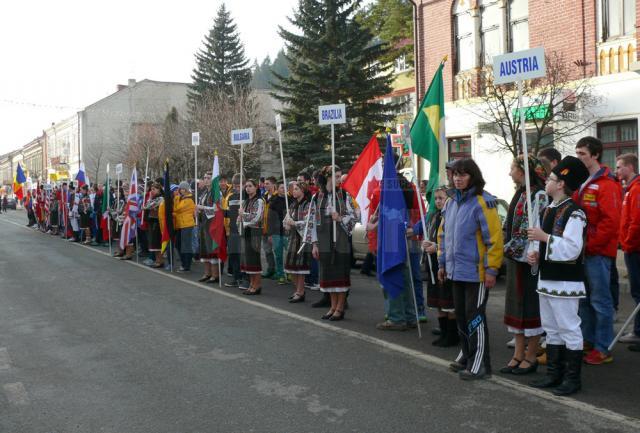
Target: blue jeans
[[415, 253], [596, 310], [312, 278], [401, 309], [632, 260], [279, 245]]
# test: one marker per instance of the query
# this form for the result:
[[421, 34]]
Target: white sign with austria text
[[241, 136], [332, 114], [519, 66]]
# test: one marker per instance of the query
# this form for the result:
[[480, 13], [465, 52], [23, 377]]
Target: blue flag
[[392, 240], [20, 177]]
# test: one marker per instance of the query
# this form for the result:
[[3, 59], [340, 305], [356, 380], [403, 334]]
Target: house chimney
[[132, 82]]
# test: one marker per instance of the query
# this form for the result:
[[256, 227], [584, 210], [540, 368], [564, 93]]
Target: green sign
[[536, 112]]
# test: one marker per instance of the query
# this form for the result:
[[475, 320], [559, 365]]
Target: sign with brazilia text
[[241, 136], [332, 114], [519, 66]]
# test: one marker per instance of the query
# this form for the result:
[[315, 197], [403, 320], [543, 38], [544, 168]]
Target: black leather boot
[[555, 368], [452, 338], [442, 321], [322, 303], [571, 383]]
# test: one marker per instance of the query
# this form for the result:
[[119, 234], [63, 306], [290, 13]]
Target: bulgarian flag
[[216, 228], [428, 137], [364, 177]]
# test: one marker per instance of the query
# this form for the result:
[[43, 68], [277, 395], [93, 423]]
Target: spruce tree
[[221, 64], [332, 59]]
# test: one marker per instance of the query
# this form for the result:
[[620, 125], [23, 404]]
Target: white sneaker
[[629, 338], [315, 287], [511, 343]]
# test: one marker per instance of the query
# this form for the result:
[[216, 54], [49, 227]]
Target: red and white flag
[[364, 177]]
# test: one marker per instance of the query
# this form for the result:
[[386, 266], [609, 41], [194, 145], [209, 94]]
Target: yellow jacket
[[183, 212]]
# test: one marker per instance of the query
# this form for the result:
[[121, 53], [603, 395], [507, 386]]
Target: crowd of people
[[560, 260]]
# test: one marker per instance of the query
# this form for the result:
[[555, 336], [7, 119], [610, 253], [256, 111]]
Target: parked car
[[11, 203]]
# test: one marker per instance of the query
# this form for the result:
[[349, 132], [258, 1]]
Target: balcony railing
[[616, 56]]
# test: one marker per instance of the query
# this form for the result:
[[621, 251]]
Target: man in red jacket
[[627, 172], [600, 197]]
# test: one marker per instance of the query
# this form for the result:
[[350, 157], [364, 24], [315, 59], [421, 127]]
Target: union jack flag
[[130, 212]]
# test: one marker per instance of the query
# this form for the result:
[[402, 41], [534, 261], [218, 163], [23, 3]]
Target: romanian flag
[[165, 211], [428, 137], [216, 228], [18, 180]]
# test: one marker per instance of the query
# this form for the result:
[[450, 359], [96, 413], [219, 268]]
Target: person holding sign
[[251, 218], [522, 309], [334, 256], [297, 222]]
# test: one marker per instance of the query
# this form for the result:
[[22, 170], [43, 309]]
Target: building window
[[490, 40], [459, 147], [618, 138], [401, 64], [465, 51], [618, 18], [518, 25]]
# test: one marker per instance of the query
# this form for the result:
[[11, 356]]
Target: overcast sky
[[58, 56]]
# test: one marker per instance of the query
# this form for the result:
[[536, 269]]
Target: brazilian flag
[[428, 133]]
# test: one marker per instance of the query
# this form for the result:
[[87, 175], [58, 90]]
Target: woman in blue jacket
[[470, 255]]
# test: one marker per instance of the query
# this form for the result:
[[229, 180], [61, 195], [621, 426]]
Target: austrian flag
[[364, 177]]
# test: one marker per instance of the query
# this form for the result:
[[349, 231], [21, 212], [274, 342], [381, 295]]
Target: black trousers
[[470, 302]]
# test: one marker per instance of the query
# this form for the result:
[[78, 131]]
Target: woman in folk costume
[[117, 217], [152, 208], [439, 294], [74, 214], [206, 209], [299, 224], [84, 208], [54, 214], [251, 222], [184, 221], [334, 256], [522, 307]]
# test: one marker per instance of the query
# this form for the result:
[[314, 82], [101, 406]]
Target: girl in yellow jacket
[[184, 222]]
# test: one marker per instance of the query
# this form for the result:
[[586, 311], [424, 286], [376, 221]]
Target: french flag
[[81, 177], [364, 177]]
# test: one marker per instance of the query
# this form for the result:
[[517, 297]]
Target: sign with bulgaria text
[[519, 66], [241, 136], [332, 114]]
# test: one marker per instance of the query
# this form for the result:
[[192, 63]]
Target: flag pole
[[333, 180], [108, 198], [417, 186], [144, 191], [527, 178], [241, 187], [413, 289], [284, 177]]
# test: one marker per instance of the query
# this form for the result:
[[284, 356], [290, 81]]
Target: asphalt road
[[92, 344]]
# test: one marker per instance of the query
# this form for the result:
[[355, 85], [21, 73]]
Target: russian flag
[[81, 177]]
